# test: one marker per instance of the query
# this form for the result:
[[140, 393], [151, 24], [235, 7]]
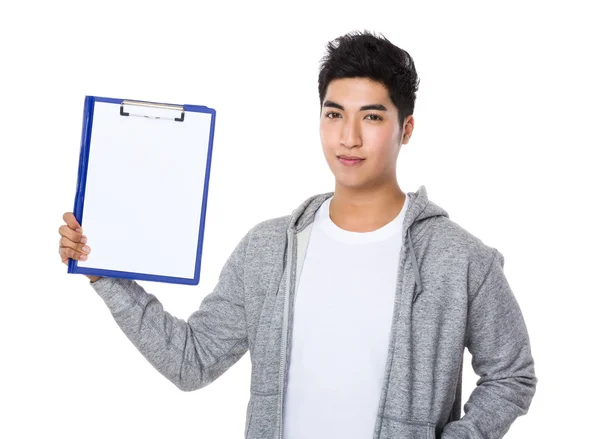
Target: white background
[[506, 140]]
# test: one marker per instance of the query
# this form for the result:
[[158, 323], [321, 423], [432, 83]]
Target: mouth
[[350, 161]]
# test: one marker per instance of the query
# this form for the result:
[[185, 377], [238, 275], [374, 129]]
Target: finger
[[67, 253], [71, 221], [72, 235], [77, 246]]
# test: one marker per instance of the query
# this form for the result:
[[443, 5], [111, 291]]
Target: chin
[[351, 183]]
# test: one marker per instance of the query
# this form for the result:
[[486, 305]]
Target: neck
[[366, 210]]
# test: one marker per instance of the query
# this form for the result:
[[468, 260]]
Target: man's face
[[359, 119]]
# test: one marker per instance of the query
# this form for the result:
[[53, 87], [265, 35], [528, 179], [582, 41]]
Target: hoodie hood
[[420, 215]]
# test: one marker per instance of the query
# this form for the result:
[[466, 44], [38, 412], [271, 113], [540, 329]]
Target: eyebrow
[[363, 108]]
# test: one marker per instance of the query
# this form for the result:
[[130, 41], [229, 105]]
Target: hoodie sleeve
[[191, 353], [498, 341]]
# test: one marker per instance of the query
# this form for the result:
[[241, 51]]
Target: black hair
[[364, 54]]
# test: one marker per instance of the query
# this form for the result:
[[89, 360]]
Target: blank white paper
[[144, 191]]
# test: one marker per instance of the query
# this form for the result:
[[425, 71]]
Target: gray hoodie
[[451, 293]]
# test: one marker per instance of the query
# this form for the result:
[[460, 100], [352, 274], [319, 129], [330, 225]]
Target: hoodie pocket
[[394, 428], [248, 415]]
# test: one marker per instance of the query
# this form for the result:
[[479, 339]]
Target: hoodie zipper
[[282, 361]]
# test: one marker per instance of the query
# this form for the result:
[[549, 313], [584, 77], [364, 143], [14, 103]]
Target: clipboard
[[142, 189]]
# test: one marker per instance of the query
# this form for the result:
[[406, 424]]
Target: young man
[[357, 307]]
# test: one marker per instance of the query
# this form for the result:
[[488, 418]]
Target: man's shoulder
[[269, 232], [454, 243], [449, 232], [271, 226], [265, 242]]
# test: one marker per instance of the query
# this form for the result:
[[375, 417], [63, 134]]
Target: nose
[[351, 135]]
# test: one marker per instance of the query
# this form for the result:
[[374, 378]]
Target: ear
[[409, 125]]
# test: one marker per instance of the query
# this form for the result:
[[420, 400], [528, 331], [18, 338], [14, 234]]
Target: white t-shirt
[[342, 321]]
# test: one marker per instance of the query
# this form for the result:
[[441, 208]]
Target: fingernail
[[78, 230], [85, 248], [84, 257], [83, 239]]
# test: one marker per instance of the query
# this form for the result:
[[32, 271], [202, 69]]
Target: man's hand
[[72, 242]]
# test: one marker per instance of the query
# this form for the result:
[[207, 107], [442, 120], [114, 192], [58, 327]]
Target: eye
[[332, 113], [375, 115]]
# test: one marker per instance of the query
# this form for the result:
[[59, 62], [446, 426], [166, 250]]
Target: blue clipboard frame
[[86, 135]]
